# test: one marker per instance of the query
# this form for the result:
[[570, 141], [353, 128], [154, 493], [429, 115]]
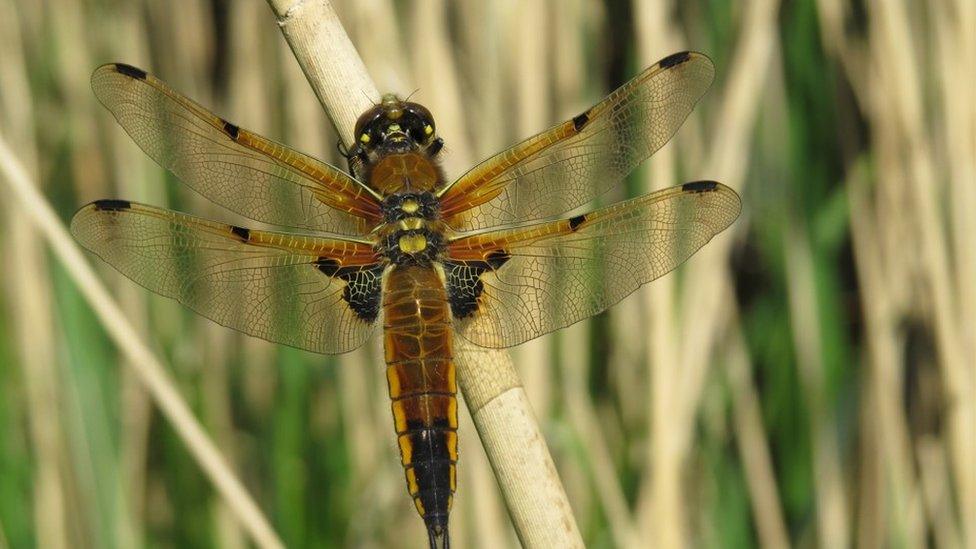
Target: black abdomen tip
[[675, 59], [112, 205], [129, 70]]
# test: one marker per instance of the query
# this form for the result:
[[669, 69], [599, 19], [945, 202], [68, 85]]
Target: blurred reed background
[[807, 379]]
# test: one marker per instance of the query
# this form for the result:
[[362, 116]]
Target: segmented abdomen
[[420, 373]]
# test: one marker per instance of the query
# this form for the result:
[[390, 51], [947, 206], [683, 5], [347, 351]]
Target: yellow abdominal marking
[[413, 243], [428, 129], [364, 138]]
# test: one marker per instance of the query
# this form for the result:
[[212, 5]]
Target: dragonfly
[[503, 254]]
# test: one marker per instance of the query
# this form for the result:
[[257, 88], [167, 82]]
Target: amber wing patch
[[319, 294]]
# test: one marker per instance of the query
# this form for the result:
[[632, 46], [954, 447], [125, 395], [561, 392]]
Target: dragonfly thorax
[[412, 233]]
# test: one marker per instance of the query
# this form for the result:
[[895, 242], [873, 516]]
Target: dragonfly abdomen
[[421, 378]]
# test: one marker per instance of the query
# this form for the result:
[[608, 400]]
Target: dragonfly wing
[[509, 286], [579, 160], [319, 294], [238, 169]]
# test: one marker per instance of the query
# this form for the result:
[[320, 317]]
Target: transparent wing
[[507, 287], [574, 162], [229, 165], [319, 294]]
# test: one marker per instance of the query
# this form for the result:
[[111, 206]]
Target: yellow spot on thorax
[[413, 243], [410, 206], [411, 224]]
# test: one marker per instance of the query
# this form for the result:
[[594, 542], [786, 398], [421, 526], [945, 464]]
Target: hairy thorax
[[412, 232]]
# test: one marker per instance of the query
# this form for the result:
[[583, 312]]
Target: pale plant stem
[[751, 439], [146, 365], [831, 501], [661, 503], [31, 307], [499, 407]]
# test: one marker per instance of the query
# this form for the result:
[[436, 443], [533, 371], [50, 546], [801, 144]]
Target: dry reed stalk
[[956, 70], [249, 92], [831, 500], [908, 171], [882, 268], [899, 64], [704, 295], [891, 436], [72, 64], [495, 398], [750, 436], [937, 491], [137, 178], [662, 506], [585, 421], [870, 485], [121, 332], [27, 292]]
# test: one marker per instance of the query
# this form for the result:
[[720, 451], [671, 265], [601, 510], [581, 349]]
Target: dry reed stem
[[704, 295], [140, 180], [731, 141], [127, 339], [750, 435], [937, 491], [902, 112], [891, 436], [895, 104], [583, 417], [831, 499], [662, 504], [33, 323], [495, 398]]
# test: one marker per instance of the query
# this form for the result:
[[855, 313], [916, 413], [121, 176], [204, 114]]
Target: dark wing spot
[[362, 291], [580, 121], [328, 266], [575, 222], [130, 71], [464, 285], [243, 233], [674, 59], [496, 258], [231, 130], [111, 205], [699, 186]]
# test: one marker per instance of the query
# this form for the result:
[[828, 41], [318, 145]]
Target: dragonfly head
[[394, 125]]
